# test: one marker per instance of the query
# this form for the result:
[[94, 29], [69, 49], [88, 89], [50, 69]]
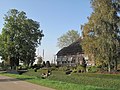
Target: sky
[[56, 17]]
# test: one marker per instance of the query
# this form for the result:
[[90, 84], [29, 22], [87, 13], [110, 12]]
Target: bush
[[44, 70], [63, 68], [22, 67], [54, 68], [21, 71], [68, 72], [74, 70], [80, 69], [92, 69]]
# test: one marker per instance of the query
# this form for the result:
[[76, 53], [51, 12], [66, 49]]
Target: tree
[[19, 38], [47, 64], [84, 65], [40, 60], [44, 64], [116, 5], [101, 33], [68, 38]]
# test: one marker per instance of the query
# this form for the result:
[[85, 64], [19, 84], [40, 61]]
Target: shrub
[[74, 70], [92, 69], [63, 68], [80, 69], [54, 68], [22, 67], [48, 64], [68, 72], [44, 70]]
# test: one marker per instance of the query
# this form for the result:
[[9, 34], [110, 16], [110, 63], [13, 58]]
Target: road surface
[[8, 83]]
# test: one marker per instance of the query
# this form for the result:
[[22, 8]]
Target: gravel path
[[8, 83]]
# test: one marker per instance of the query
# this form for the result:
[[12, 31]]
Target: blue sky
[[56, 17]]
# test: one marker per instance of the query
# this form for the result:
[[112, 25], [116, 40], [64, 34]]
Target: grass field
[[110, 81], [85, 81], [99, 80], [58, 85]]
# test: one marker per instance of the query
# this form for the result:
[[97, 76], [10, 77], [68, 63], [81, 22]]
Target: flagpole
[[43, 54]]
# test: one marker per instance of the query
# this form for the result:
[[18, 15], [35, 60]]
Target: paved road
[[8, 83]]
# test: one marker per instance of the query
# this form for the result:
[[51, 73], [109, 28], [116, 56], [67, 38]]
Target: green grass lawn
[[92, 79], [110, 81], [59, 81]]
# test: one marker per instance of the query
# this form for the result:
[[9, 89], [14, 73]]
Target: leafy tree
[[40, 60], [48, 64], [19, 38], [116, 5], [68, 38], [84, 65], [101, 33], [44, 64]]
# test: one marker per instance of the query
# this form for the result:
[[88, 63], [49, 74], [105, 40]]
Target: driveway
[[8, 83]]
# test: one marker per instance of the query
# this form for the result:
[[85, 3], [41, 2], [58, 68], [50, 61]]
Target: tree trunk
[[115, 68], [109, 67]]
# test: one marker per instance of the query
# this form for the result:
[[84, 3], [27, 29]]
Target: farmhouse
[[72, 55]]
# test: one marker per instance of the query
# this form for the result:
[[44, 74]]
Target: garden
[[75, 80]]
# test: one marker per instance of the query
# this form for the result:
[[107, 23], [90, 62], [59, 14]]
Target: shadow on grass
[[8, 79], [13, 79], [24, 79]]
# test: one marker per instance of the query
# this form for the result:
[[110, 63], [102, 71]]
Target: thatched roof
[[72, 49]]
